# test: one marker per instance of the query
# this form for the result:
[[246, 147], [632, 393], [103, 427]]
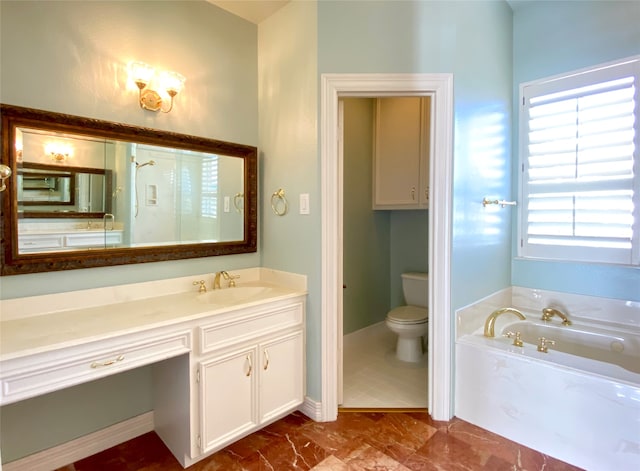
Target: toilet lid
[[408, 314]]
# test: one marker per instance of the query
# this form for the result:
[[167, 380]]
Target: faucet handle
[[202, 288], [543, 344], [230, 278], [517, 338]]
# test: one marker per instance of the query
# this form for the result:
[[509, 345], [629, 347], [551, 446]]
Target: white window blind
[[209, 206], [579, 162]]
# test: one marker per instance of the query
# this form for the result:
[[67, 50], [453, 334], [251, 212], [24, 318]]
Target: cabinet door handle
[[426, 194], [250, 365], [96, 364], [266, 358], [413, 193]]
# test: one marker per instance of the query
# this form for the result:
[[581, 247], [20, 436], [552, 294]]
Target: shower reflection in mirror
[[157, 195]]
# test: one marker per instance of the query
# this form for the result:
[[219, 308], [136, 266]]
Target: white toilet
[[410, 322]]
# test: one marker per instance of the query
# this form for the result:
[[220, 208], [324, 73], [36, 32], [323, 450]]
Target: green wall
[[366, 236], [36, 424], [590, 33], [71, 57], [378, 245], [472, 40]]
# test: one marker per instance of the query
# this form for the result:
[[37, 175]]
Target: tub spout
[[549, 312], [489, 324]]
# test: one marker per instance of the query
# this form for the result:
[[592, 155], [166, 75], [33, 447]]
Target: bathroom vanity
[[226, 362]]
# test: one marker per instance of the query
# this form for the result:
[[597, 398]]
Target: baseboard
[[70, 452], [312, 409]]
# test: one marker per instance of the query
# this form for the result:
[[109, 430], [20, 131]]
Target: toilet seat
[[408, 315]]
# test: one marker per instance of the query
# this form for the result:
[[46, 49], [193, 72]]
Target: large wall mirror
[[90, 193]]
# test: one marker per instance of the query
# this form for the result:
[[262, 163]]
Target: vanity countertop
[[116, 311]]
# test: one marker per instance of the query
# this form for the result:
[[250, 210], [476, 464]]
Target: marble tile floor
[[357, 441]]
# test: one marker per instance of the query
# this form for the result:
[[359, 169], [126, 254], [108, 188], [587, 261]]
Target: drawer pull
[[96, 364], [266, 358], [250, 365]]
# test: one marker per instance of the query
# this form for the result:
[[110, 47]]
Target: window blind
[[209, 206], [580, 177]]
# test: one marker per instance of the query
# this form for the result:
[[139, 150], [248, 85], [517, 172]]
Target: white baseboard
[[70, 452], [311, 409]]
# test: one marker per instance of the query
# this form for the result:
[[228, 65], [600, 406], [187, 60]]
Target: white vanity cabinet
[[228, 406], [251, 372], [401, 153], [224, 363], [42, 242]]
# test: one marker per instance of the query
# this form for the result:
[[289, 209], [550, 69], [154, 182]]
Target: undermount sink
[[233, 295]]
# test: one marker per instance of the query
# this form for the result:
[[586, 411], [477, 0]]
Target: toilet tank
[[415, 287]]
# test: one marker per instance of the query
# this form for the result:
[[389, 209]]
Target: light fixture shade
[[172, 82], [141, 72], [59, 151]]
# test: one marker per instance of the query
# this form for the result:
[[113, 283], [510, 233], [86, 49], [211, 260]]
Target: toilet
[[410, 322]]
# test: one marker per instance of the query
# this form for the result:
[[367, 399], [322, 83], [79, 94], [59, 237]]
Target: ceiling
[[251, 10], [257, 10]]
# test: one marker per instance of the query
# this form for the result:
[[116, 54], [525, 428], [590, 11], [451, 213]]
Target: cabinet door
[[398, 148], [281, 375], [227, 397], [425, 151]]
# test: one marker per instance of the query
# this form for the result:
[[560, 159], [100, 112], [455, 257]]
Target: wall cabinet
[[401, 153]]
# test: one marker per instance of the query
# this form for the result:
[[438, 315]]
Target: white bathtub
[[608, 344], [579, 403]]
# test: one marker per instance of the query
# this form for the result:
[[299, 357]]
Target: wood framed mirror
[[90, 193]]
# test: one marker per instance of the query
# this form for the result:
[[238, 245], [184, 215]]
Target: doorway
[[440, 86], [381, 243]]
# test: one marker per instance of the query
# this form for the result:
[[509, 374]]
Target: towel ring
[[277, 200], [238, 202]]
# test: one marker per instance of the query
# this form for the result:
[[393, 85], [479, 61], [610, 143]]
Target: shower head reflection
[[150, 162]]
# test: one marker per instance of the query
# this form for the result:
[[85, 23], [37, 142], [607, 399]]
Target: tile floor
[[357, 441], [374, 378]]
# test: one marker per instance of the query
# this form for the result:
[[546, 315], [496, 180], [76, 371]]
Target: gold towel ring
[[238, 202], [278, 199]]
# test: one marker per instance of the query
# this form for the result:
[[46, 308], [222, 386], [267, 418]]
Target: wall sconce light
[[5, 172], [169, 82], [58, 152]]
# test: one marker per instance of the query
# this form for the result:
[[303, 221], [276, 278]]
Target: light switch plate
[[304, 203]]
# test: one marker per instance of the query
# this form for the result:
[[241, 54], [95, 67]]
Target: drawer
[[42, 374], [246, 327], [33, 242], [93, 239]]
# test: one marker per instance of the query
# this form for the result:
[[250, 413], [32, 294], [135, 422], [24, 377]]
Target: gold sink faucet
[[229, 278], [549, 312], [216, 280], [489, 324]]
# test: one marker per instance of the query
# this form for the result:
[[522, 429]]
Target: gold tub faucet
[[549, 312], [489, 324]]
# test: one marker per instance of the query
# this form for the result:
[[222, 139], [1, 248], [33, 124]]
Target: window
[[209, 204], [580, 168]]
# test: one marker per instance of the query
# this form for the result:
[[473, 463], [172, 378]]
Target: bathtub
[[579, 402], [604, 344]]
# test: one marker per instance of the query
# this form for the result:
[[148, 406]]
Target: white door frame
[[440, 87]]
